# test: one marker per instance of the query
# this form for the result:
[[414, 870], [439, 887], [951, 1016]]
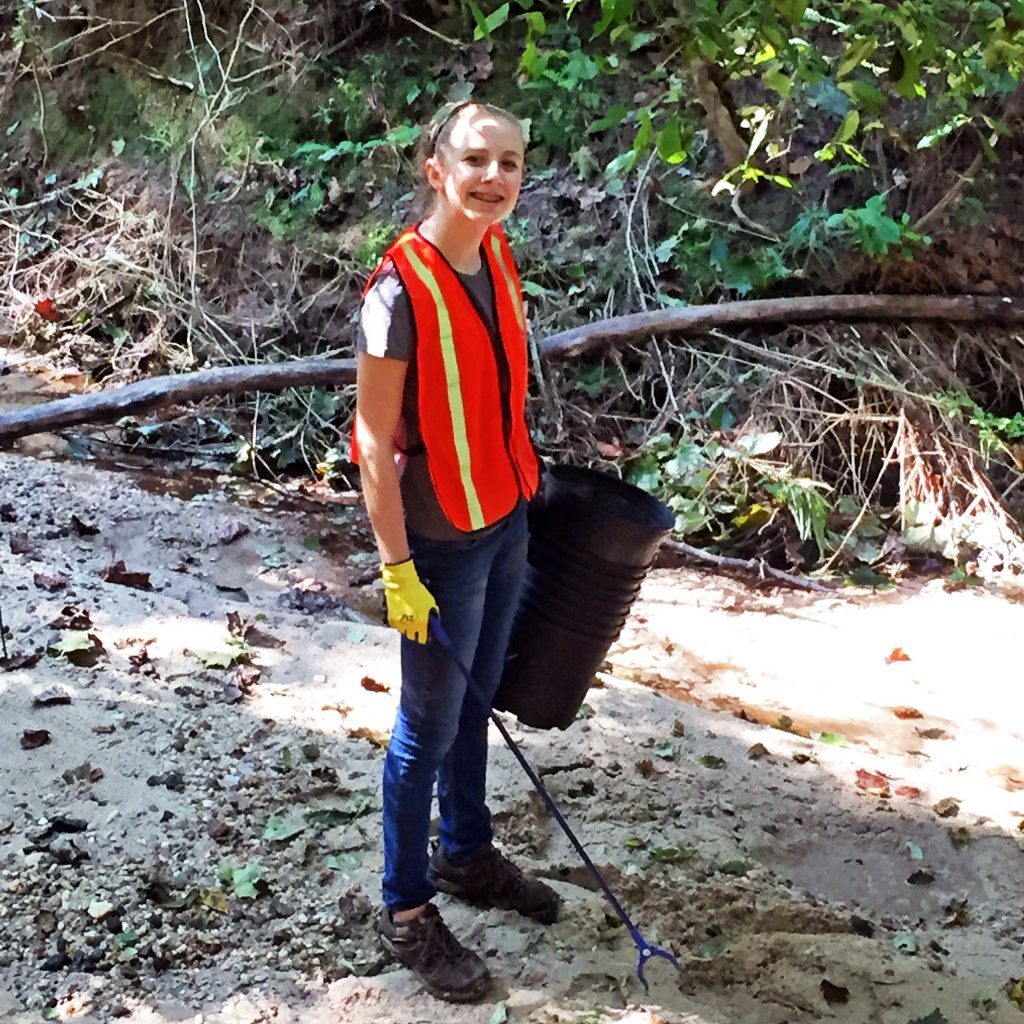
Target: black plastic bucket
[[592, 540]]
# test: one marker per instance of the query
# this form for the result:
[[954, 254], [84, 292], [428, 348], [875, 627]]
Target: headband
[[442, 118]]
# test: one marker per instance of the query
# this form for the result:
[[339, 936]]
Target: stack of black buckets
[[592, 540]]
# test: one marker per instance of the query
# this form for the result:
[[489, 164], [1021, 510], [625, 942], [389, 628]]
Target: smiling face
[[477, 168]]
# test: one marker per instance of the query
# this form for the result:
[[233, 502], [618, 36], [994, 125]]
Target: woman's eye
[[510, 165]]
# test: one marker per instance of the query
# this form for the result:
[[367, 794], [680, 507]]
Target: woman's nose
[[491, 170]]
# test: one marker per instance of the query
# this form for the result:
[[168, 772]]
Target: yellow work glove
[[409, 603]]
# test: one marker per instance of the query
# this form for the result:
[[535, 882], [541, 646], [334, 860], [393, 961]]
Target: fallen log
[[757, 312], [158, 392]]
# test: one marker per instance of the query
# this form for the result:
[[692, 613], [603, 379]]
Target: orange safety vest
[[471, 385]]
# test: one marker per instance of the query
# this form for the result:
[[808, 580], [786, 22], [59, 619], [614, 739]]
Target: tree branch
[[754, 565], [157, 392]]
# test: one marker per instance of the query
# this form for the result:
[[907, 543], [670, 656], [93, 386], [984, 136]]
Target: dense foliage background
[[209, 182]]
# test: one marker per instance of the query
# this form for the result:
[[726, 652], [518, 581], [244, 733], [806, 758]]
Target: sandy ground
[[817, 829]]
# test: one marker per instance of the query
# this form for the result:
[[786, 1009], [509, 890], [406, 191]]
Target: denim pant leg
[[458, 574], [462, 779]]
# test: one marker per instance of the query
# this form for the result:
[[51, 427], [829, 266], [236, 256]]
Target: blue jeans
[[441, 729]]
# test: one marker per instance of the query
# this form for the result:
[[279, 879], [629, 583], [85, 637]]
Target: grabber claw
[[646, 953]]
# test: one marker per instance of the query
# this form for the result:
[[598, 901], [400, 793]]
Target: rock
[[99, 909]]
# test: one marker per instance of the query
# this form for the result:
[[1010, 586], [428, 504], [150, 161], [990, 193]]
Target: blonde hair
[[436, 133]]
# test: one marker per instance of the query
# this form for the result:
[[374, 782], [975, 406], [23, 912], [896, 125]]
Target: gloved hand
[[409, 603]]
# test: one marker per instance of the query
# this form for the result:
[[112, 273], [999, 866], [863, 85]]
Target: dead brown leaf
[[120, 574], [32, 739], [896, 654], [645, 767], [368, 683], [20, 544], [873, 783], [906, 714], [51, 584], [72, 617], [947, 807]]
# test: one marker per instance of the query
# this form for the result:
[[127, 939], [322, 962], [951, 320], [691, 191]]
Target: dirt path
[[200, 843]]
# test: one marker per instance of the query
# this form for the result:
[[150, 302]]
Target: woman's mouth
[[487, 197]]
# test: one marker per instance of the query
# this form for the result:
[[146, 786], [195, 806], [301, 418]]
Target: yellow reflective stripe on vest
[[453, 386], [509, 283]]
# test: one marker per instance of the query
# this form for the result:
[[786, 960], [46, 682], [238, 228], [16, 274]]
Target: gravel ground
[[194, 842]]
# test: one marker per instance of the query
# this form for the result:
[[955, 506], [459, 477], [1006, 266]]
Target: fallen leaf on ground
[[645, 767], [907, 713], [958, 914], [32, 739], [51, 584], [82, 528], [120, 574], [711, 761], [947, 807], [79, 647], [368, 683], [910, 792], [896, 654], [378, 737], [873, 783], [1015, 991], [72, 617], [280, 829], [51, 698], [921, 877], [20, 544], [246, 879], [933, 734], [962, 837], [231, 530], [757, 751], [835, 995], [16, 661]]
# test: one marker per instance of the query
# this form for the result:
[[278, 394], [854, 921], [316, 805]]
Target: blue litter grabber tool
[[645, 951]]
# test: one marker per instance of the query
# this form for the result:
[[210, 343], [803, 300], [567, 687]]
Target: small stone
[[99, 909]]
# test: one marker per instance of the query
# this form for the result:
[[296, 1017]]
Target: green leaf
[[73, 641], [848, 128], [244, 879], [857, 52], [281, 829], [339, 809], [500, 1015], [666, 751], [672, 148], [672, 854], [738, 868], [634, 843], [711, 761], [344, 862], [779, 80], [905, 942], [311, 543], [486, 26], [833, 739], [217, 659]]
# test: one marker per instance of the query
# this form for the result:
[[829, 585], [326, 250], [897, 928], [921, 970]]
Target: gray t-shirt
[[387, 329]]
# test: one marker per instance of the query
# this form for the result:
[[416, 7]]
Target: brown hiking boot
[[491, 880], [425, 945]]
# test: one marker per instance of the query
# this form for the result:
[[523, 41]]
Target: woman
[[447, 467]]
